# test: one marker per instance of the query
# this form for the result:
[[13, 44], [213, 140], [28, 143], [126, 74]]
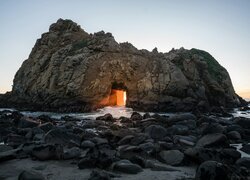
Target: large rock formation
[[69, 69]]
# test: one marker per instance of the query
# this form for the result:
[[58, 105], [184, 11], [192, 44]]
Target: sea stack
[[71, 70]]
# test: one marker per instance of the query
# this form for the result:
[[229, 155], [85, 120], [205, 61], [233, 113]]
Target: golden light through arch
[[120, 97]]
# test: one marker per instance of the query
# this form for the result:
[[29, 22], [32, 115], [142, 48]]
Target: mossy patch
[[214, 68]]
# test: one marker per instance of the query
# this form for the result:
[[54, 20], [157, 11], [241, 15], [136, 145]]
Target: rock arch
[[71, 70]]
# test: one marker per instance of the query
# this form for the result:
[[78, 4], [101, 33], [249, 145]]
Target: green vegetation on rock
[[214, 68]]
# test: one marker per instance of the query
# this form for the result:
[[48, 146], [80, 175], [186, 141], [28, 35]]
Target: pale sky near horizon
[[221, 28]]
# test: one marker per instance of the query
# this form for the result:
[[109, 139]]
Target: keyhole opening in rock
[[118, 95]]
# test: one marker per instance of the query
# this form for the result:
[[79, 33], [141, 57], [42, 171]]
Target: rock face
[[69, 69]]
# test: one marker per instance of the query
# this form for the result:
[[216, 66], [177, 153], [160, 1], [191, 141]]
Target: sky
[[221, 28]]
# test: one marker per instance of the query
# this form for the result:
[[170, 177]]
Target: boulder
[[229, 155], [106, 156], [59, 136], [212, 140], [243, 122], [102, 175], [200, 155], [181, 117], [136, 116], [125, 120], [178, 129], [138, 139], [125, 166], [211, 170], [156, 131], [71, 153], [29, 175], [128, 151], [244, 161], [139, 160], [86, 162], [45, 118], [107, 117], [191, 124], [246, 148], [4, 148], [172, 157], [15, 140], [234, 135], [47, 152], [185, 140], [156, 166], [46, 127], [146, 116], [126, 140], [87, 144], [211, 128], [102, 157], [26, 122], [147, 147], [99, 175], [8, 155], [99, 141]]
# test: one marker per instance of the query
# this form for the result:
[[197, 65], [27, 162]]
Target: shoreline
[[140, 146]]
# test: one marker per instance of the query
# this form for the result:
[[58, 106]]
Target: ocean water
[[116, 111]]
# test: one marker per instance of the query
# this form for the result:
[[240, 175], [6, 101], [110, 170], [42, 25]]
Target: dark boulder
[[26, 122], [125, 120], [29, 175], [4, 148], [211, 128], [8, 155], [246, 148], [243, 122], [71, 153], [177, 130], [99, 175], [156, 131], [126, 140], [181, 117], [146, 116], [59, 136], [46, 127], [87, 144], [234, 135], [45, 118], [136, 116], [107, 117], [126, 166], [172, 157], [199, 155], [47, 152], [213, 140], [15, 140], [211, 170], [245, 161], [86, 162]]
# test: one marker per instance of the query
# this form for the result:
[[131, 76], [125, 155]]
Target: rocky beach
[[84, 106], [37, 145]]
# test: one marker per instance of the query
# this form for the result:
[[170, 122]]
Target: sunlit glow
[[124, 97], [120, 97], [117, 98]]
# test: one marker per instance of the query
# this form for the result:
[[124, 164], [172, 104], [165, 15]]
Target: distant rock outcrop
[[69, 69]]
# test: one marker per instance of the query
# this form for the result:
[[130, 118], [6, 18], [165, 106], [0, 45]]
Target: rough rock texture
[[69, 69]]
